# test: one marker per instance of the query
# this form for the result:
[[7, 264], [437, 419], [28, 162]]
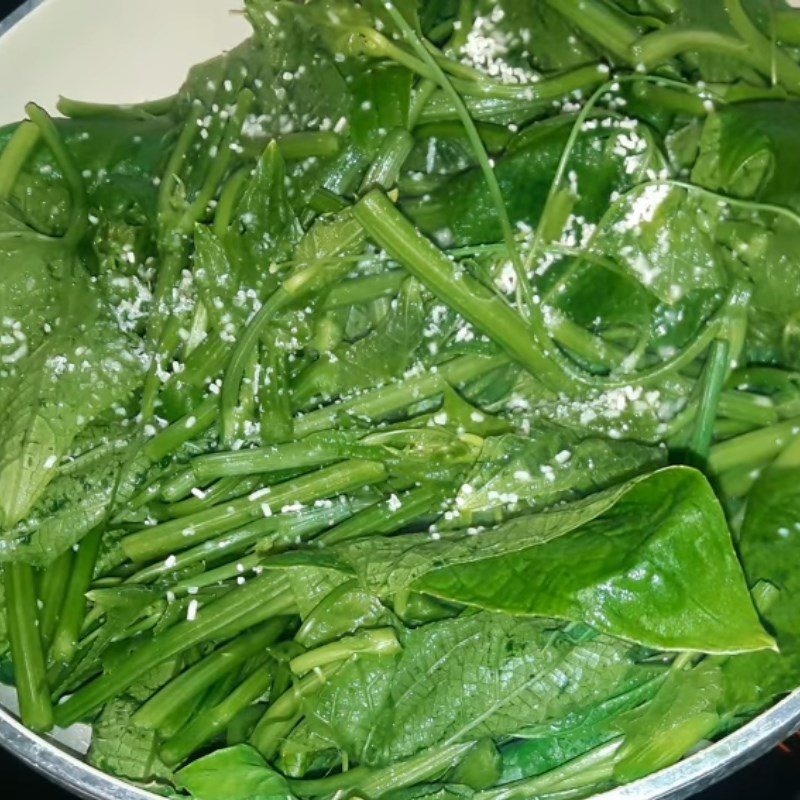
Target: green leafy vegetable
[[408, 406]]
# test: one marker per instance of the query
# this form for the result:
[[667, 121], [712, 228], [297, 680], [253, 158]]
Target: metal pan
[[60, 756]]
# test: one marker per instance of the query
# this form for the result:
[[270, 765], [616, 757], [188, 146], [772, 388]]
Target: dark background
[[776, 776]]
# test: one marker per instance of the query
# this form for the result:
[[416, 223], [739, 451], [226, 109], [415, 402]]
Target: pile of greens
[[410, 406]]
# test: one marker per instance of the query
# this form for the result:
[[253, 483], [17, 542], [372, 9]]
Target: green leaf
[[515, 26], [606, 158], [122, 748], [264, 227], [85, 367], [636, 569], [664, 238], [467, 678], [79, 499], [769, 542], [747, 150], [234, 773]]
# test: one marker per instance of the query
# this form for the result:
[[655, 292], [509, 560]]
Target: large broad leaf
[[632, 562], [86, 365], [467, 678], [75, 502], [235, 773], [665, 239], [638, 569]]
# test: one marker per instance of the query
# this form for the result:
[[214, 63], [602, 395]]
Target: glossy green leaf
[[235, 773]]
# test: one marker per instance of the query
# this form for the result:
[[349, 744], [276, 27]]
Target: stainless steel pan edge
[[674, 783]]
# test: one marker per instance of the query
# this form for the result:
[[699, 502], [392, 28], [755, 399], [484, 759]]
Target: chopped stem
[[388, 163], [377, 782], [379, 403], [15, 154], [282, 715], [716, 371], [180, 691], [595, 767], [753, 449], [595, 19], [380, 519], [73, 611], [52, 591], [260, 599], [80, 109], [27, 653], [303, 454], [210, 722], [175, 535], [484, 309], [378, 641]]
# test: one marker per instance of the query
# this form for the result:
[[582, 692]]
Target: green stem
[[211, 722], [355, 291], [776, 64], [595, 19], [219, 492], [754, 449], [180, 691], [27, 654], [380, 520], [593, 768], [377, 782], [305, 454], [263, 598], [519, 103], [282, 715], [228, 198], [303, 283], [70, 623], [419, 99], [388, 163], [387, 400], [80, 109], [52, 591], [477, 304], [715, 373], [275, 396], [15, 155], [173, 536], [309, 144], [378, 641], [79, 215], [183, 430], [413, 39]]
